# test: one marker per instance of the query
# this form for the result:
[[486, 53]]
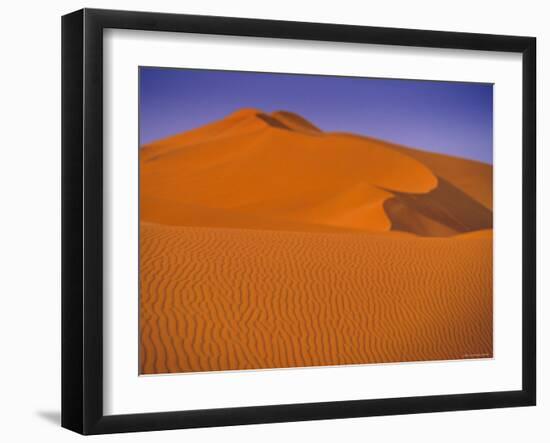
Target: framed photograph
[[269, 221]]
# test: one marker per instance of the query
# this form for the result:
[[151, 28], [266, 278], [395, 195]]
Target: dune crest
[[287, 174], [296, 122]]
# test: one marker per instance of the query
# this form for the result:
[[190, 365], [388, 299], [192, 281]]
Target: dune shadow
[[442, 212], [272, 121]]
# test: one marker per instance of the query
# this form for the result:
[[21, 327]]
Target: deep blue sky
[[446, 117]]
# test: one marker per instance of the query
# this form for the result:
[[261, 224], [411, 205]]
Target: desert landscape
[[266, 242]]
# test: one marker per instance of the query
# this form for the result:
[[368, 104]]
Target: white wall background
[[30, 219]]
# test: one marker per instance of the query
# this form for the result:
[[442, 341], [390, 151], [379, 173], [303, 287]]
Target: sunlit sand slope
[[227, 299], [279, 168]]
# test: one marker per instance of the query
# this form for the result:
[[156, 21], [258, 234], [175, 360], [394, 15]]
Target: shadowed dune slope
[[473, 178], [296, 122], [231, 299], [278, 171], [444, 211]]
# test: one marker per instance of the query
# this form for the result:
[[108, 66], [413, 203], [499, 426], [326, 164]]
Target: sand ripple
[[230, 299]]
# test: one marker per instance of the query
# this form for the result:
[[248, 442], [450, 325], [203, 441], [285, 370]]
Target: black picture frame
[[82, 219]]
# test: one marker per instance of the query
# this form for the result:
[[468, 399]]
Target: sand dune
[[219, 299], [473, 178], [266, 242], [281, 167]]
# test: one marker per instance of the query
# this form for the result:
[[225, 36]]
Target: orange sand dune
[[226, 299], [473, 178], [281, 167], [266, 242]]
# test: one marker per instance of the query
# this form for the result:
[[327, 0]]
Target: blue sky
[[446, 117]]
